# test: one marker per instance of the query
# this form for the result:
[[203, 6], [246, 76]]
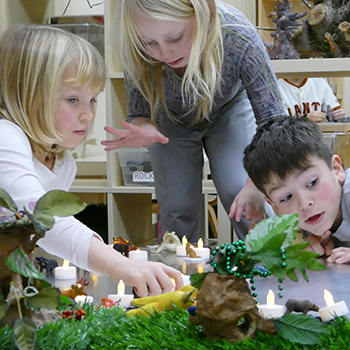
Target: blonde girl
[[197, 77], [49, 83]]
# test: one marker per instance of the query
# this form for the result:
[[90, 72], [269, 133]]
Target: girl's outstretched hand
[[149, 278], [251, 201], [139, 133]]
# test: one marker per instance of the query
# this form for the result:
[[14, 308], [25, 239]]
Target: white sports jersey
[[314, 94]]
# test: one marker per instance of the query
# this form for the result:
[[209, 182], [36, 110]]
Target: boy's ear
[[338, 169], [268, 200]]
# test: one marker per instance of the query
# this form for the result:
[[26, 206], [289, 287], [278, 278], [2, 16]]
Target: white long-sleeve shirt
[[26, 180]]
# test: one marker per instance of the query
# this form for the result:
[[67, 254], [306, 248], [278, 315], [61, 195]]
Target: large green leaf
[[48, 298], [300, 328], [270, 256], [197, 279], [24, 333], [19, 262], [59, 203], [270, 227], [6, 201]]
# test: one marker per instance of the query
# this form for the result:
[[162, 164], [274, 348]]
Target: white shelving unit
[[129, 208]]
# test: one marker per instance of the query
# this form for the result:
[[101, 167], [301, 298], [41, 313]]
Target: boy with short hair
[[290, 162]]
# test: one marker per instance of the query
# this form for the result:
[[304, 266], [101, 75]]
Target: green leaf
[[24, 333], [42, 221], [6, 201], [59, 203], [30, 291], [4, 305], [48, 298], [197, 279], [300, 328], [270, 227], [19, 262]]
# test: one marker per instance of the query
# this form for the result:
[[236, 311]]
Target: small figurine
[[123, 246], [190, 252], [303, 306], [77, 289], [170, 242], [46, 264]]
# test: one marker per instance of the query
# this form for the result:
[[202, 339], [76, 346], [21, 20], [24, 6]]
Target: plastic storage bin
[[93, 33], [331, 140], [136, 166]]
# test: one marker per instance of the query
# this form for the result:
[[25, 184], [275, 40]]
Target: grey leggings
[[178, 167]]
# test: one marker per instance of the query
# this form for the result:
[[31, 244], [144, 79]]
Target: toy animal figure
[[303, 306], [170, 242], [46, 264], [190, 252], [123, 246]]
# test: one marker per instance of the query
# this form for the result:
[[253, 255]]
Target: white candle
[[65, 272], [332, 309], [204, 253], [270, 309], [123, 299], [186, 280], [82, 299], [140, 255], [181, 249]]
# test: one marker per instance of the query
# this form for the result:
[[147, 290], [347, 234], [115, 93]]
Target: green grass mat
[[111, 329]]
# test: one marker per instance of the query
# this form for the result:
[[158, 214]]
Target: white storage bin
[[136, 166], [331, 139]]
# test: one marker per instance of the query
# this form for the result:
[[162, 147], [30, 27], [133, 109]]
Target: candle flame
[[137, 250], [270, 299], [184, 269], [94, 280], [65, 263], [184, 241], [121, 288], [328, 298], [200, 243], [200, 269]]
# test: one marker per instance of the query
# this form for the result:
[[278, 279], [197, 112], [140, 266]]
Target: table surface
[[335, 279]]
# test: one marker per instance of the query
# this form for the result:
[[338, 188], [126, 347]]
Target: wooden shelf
[[315, 67], [334, 127]]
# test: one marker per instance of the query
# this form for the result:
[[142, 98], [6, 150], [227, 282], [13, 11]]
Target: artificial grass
[[110, 329]]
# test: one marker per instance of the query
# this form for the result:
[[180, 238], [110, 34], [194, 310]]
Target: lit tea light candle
[[65, 272], [181, 249], [332, 309], [186, 279], [204, 253], [270, 309], [83, 299], [140, 255], [123, 299]]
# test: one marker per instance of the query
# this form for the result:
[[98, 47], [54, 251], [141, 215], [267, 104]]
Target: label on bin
[[141, 176]]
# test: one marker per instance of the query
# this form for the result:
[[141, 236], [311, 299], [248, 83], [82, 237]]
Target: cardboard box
[[136, 166]]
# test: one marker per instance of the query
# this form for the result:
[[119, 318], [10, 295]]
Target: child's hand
[[320, 244], [315, 244], [339, 255], [338, 114], [140, 134], [317, 117], [251, 201]]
